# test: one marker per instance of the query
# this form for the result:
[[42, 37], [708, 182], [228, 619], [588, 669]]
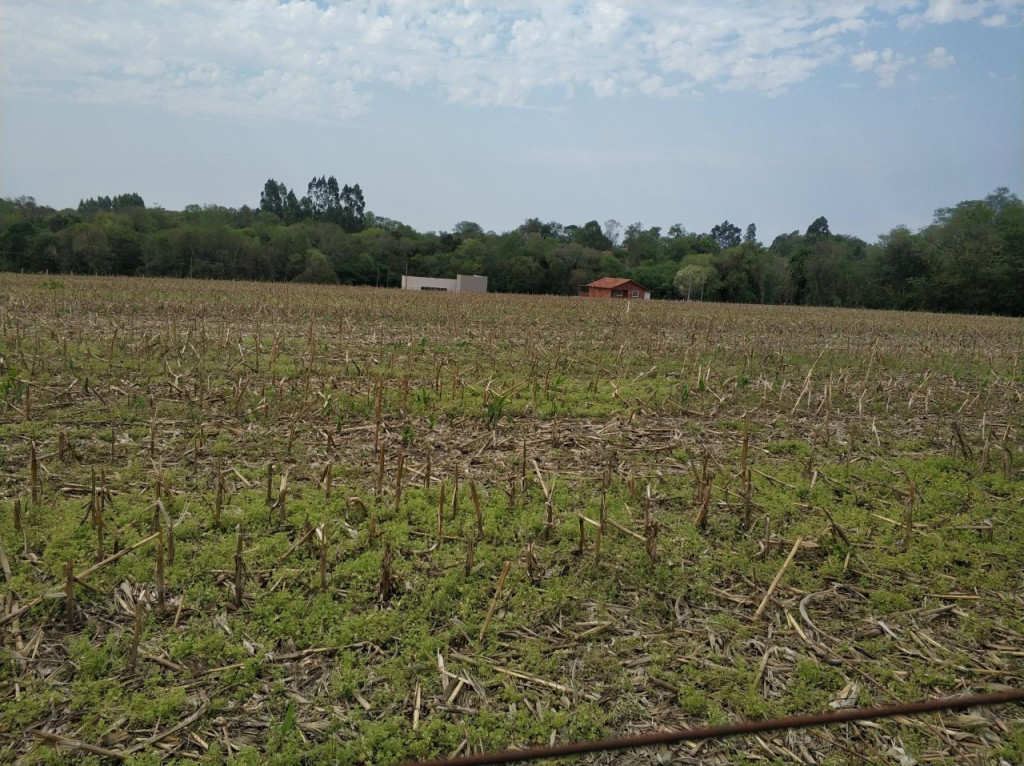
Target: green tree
[[613, 230], [44, 252], [287, 246], [272, 198], [591, 235], [726, 235], [900, 271], [976, 263], [14, 245], [642, 244], [658, 277], [744, 273], [818, 228], [317, 269], [91, 250], [692, 280], [466, 230], [294, 208], [824, 274], [127, 201]]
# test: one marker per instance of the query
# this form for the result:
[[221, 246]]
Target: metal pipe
[[730, 730]]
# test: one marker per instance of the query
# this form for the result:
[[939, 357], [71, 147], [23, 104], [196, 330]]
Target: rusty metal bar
[[730, 730]]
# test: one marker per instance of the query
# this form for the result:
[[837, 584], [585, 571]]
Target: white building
[[463, 283]]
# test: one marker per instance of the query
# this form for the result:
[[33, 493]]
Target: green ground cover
[[309, 611]]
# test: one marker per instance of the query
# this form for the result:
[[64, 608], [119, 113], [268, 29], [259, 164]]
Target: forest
[[970, 259]]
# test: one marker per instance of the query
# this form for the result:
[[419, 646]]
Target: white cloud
[[885, 64], [947, 11], [944, 11], [864, 61], [940, 58], [322, 61], [889, 65]]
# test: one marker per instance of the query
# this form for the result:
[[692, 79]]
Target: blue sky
[[873, 114]]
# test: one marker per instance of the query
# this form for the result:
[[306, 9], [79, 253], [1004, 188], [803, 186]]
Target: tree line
[[969, 259]]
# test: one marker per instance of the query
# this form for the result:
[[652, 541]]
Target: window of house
[[636, 293], [435, 289], [618, 293]]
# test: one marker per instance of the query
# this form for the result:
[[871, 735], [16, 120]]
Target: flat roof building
[[463, 283]]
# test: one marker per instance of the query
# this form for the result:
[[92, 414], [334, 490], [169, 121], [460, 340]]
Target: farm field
[[370, 525]]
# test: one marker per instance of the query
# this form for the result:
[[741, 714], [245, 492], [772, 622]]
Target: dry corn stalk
[[908, 513], [470, 548], [455, 493], [398, 480], [282, 494], [549, 507], [494, 600], [34, 473], [388, 585], [379, 489], [218, 501], [532, 568], [69, 591], [1007, 455], [160, 595], [96, 505], [327, 479], [355, 502], [651, 539], [778, 579], [476, 506], [703, 494], [321, 536], [239, 567], [136, 634]]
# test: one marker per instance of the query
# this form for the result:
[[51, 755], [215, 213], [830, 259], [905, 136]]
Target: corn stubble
[[433, 509]]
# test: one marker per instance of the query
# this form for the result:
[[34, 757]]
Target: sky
[[873, 114]]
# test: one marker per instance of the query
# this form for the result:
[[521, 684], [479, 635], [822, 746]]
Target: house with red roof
[[614, 287]]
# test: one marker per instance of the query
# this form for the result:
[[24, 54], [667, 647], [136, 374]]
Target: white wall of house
[[429, 283], [471, 283]]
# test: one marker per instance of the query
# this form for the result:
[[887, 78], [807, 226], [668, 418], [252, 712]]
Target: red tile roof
[[610, 283]]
